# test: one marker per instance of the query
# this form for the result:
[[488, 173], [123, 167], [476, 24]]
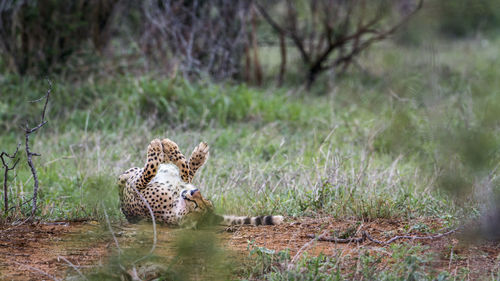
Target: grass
[[406, 263], [276, 167], [361, 151], [380, 143]]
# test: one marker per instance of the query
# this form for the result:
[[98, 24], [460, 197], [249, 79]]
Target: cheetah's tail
[[260, 220]]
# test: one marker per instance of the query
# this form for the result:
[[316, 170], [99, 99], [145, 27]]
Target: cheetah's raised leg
[[198, 157], [174, 155], [155, 156]]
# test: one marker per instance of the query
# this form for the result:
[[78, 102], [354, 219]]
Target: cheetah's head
[[192, 206]]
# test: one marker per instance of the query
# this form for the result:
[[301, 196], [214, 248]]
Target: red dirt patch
[[39, 245], [480, 259], [25, 248]]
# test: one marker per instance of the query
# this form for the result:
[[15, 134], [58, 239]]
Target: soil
[[36, 251], [480, 258], [33, 251]]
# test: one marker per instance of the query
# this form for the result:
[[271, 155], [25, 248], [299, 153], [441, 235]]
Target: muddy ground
[[38, 251]]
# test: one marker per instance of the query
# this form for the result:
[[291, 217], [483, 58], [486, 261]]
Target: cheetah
[[164, 185]]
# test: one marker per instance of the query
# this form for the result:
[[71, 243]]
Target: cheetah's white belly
[[167, 173]]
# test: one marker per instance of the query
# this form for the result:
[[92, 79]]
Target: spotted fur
[[165, 184]]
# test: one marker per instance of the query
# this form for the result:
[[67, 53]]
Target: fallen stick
[[366, 236]]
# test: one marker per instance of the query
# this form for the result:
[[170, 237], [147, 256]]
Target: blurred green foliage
[[38, 37], [451, 19], [170, 102], [467, 17], [51, 36]]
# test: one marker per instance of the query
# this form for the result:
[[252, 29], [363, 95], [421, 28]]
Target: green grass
[[398, 262], [366, 150], [396, 139]]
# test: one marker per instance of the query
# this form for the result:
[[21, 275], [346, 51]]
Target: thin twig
[[366, 236], [73, 266], [154, 225], [20, 205], [37, 270], [451, 257], [304, 247], [323, 237], [6, 173], [429, 237], [111, 230]]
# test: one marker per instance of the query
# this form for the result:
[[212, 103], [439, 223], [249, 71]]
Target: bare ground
[[479, 258], [33, 251], [28, 250]]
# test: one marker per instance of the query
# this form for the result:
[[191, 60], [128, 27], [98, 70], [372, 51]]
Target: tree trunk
[[313, 74], [283, 59], [253, 37]]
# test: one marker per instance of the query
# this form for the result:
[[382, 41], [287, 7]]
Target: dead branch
[[366, 236], [332, 32], [29, 154], [5, 175]]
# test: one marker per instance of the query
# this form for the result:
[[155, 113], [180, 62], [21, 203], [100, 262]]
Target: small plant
[[266, 260]]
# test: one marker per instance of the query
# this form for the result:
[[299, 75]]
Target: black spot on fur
[[268, 220], [258, 220], [247, 220]]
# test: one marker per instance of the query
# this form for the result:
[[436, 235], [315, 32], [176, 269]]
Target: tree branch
[[293, 35]]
